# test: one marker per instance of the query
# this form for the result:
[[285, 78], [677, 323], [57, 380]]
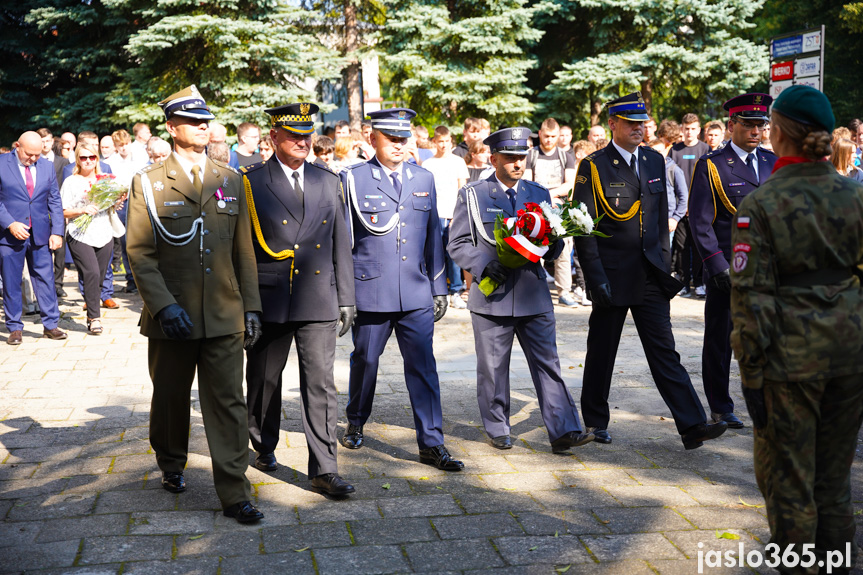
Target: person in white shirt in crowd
[[554, 168], [246, 154], [91, 246], [123, 164], [106, 147], [142, 135], [450, 175], [158, 150]]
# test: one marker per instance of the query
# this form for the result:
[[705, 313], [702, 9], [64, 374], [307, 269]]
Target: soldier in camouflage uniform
[[797, 308]]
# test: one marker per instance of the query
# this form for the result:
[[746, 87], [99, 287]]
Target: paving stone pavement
[[80, 493]]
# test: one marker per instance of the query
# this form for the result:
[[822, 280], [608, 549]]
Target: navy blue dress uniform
[[306, 281], [520, 306], [400, 283], [190, 248], [720, 181], [630, 271]]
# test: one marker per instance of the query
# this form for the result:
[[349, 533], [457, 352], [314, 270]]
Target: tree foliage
[[458, 59], [684, 55]]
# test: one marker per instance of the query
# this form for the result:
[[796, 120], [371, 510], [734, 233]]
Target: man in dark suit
[[400, 282], [31, 220], [190, 246], [720, 181], [306, 280], [630, 271], [521, 305]]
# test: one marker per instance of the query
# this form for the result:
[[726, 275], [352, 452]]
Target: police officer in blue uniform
[[631, 271], [306, 281], [400, 281], [720, 181], [520, 306]]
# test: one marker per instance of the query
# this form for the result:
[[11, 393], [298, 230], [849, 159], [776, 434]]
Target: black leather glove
[[347, 315], [496, 272], [439, 306], [601, 296], [721, 281], [756, 406], [253, 329], [175, 322]]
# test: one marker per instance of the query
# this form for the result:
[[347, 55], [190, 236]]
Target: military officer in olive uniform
[[400, 281], [720, 181], [520, 306], [630, 271], [190, 248], [306, 278]]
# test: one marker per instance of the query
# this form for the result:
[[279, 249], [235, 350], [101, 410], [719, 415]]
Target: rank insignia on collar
[[376, 173], [614, 162], [158, 186], [374, 218], [408, 172], [173, 172]]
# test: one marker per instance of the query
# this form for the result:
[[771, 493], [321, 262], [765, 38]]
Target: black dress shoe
[[570, 439], [600, 435], [130, 289], [695, 436], [244, 512], [353, 437], [173, 481], [732, 420], [61, 292], [439, 457], [501, 442], [266, 462], [332, 484]]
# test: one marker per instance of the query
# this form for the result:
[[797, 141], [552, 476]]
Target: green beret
[[807, 105]]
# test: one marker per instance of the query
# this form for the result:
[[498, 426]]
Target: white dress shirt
[[627, 157], [289, 172], [743, 153], [187, 166]]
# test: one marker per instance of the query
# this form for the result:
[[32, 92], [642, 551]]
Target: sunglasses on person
[[89, 158]]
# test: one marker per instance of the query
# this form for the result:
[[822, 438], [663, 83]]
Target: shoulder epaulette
[[252, 167], [224, 165], [327, 171], [650, 150], [766, 151], [151, 167], [714, 153]]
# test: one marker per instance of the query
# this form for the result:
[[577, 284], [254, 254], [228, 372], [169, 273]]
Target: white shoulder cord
[[377, 231], [178, 240], [473, 209]]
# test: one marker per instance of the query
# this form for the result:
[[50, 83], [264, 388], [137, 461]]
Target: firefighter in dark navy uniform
[[720, 181], [306, 281], [631, 271], [400, 281]]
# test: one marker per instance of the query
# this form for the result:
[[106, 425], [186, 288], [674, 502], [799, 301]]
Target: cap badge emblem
[[516, 133], [402, 115], [758, 99], [304, 109]]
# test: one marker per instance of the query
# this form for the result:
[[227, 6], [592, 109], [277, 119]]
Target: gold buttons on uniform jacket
[[323, 222], [404, 241], [403, 224], [317, 272], [404, 258], [401, 207], [318, 246], [284, 222], [296, 246]]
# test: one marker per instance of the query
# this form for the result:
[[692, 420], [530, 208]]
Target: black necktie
[[750, 161], [632, 162], [510, 193], [297, 188], [397, 185]]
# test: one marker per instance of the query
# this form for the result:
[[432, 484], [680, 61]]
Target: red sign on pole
[[782, 71]]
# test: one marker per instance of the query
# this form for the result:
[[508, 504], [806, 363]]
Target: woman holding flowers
[[92, 224]]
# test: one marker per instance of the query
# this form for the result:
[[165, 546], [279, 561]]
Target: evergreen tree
[[244, 56], [683, 56], [61, 58], [454, 60]]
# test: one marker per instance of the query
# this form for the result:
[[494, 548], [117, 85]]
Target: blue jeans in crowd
[[453, 272]]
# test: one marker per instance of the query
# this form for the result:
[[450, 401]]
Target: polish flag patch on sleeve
[[743, 222]]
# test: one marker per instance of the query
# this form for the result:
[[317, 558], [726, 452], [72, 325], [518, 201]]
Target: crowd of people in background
[[553, 162]]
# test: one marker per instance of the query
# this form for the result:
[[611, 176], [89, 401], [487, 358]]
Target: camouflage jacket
[[797, 300]]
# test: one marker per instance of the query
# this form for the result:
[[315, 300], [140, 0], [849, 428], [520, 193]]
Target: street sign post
[[797, 58]]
